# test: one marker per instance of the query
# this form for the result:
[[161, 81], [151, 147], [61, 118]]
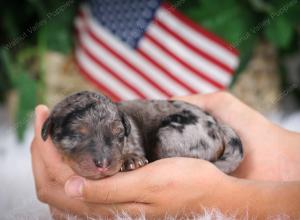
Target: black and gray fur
[[99, 137]]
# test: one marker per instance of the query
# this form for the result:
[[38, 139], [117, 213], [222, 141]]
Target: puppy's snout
[[102, 163]]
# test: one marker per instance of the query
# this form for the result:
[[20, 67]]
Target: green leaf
[[289, 9], [7, 65], [39, 7], [261, 5], [293, 14], [26, 89], [5, 78], [59, 28], [59, 37], [280, 32]]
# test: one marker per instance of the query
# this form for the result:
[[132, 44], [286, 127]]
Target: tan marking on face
[[83, 130]]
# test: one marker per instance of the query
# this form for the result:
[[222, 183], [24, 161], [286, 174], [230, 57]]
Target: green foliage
[[60, 33], [280, 32], [4, 77], [31, 27], [27, 101]]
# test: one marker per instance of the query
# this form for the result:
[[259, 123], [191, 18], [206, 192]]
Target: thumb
[[41, 114], [114, 189]]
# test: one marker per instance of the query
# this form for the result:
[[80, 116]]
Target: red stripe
[[131, 66], [175, 57], [199, 29], [201, 53], [163, 69], [108, 69], [98, 84]]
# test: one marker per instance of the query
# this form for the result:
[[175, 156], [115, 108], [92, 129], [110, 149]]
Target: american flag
[[146, 49]]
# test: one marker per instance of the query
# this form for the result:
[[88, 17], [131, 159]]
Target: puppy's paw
[[133, 162]]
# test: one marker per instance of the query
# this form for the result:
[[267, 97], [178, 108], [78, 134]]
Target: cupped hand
[[174, 186]]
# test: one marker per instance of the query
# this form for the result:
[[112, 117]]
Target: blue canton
[[126, 19]]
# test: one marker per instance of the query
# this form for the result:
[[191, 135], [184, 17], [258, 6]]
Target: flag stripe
[[196, 50], [118, 56], [199, 29], [198, 65], [183, 63], [165, 71], [197, 38], [118, 69], [182, 73], [87, 74], [96, 83], [95, 58], [132, 59], [105, 77]]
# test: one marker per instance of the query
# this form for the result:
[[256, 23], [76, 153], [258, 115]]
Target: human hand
[[174, 186], [270, 152]]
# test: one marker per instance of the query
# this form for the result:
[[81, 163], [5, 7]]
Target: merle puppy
[[99, 138]]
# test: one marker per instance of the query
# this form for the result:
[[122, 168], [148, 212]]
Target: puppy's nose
[[101, 163]]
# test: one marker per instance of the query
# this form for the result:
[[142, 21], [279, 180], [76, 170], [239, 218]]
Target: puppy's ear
[[46, 128], [126, 123]]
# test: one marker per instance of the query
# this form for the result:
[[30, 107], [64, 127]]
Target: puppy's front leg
[[133, 154], [133, 161]]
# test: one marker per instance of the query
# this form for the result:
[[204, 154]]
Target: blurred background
[[138, 49]]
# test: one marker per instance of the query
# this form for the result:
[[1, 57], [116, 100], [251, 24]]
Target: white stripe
[[177, 69], [198, 40], [188, 56], [119, 68], [153, 72], [104, 77]]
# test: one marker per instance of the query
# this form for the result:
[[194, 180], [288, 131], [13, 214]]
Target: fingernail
[[73, 187]]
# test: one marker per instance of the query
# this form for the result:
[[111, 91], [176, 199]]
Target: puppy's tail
[[233, 150]]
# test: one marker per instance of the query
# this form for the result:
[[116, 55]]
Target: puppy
[[99, 138]]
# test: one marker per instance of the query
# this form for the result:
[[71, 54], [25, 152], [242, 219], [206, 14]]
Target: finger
[[58, 199], [198, 99], [122, 187], [48, 191], [45, 154], [41, 114], [37, 166], [216, 102], [52, 159]]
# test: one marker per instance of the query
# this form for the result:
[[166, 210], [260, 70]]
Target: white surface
[[17, 195]]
